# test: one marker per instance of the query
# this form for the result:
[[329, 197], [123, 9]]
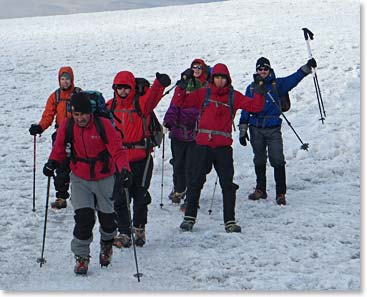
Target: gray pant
[[263, 141], [86, 197], [269, 140]]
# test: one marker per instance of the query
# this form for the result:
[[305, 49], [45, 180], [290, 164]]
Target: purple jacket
[[181, 122]]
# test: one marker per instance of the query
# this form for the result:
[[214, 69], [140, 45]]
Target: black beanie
[[80, 103], [262, 62]]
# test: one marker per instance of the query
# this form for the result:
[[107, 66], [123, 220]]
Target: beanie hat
[[80, 103], [262, 62], [66, 75], [193, 85]]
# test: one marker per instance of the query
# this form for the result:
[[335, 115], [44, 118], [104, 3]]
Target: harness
[[103, 156], [218, 103]]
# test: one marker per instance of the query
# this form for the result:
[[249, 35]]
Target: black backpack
[[154, 126], [99, 110]]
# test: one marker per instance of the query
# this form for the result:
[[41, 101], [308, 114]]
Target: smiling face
[[263, 72], [198, 70], [81, 119]]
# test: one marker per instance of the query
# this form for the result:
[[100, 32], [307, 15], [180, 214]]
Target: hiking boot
[[81, 264], [187, 224], [105, 255], [176, 197], [258, 194], [280, 199], [59, 203], [139, 236], [232, 227], [122, 240]]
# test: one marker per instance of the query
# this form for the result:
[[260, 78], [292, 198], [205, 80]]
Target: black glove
[[49, 167], [126, 178], [243, 134], [307, 68], [185, 77], [35, 129], [163, 79], [259, 85]]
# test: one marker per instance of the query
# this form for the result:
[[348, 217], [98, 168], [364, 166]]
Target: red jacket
[[87, 143], [130, 123], [217, 117], [60, 110]]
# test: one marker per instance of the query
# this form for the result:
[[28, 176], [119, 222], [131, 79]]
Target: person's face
[[198, 70], [263, 72], [65, 83], [123, 90], [220, 81], [81, 119]]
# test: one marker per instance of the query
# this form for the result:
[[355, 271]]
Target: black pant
[[182, 154], [139, 192], [62, 176], [204, 158]]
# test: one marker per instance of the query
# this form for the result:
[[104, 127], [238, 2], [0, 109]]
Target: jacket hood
[[69, 71], [204, 75], [220, 69], [125, 78]]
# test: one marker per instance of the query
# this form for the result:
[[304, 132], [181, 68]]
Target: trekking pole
[[304, 146], [137, 274], [42, 260], [211, 204], [34, 173], [164, 136], [308, 34], [169, 90]]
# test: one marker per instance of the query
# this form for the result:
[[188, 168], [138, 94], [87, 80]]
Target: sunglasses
[[263, 69], [197, 67], [119, 87]]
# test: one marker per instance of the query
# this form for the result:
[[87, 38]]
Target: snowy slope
[[311, 244]]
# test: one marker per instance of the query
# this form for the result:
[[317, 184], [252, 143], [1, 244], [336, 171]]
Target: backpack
[[229, 104], [99, 110], [285, 101], [58, 99], [154, 126]]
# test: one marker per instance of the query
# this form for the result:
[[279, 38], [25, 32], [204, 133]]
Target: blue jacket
[[270, 115]]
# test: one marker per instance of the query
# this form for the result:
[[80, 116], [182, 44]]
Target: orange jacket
[[60, 109]]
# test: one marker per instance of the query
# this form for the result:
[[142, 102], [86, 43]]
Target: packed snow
[[311, 244]]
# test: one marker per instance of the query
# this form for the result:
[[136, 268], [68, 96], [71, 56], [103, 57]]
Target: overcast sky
[[29, 8]]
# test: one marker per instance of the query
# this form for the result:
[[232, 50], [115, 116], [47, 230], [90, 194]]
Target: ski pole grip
[[307, 33]]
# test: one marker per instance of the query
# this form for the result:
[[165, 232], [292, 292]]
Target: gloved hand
[[163, 79], [35, 129], [307, 68], [185, 77], [49, 168], [126, 178], [243, 134], [259, 85]]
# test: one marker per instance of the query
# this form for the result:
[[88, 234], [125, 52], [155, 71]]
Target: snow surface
[[312, 244]]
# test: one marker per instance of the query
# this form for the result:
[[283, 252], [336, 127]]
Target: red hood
[[204, 74], [125, 78], [221, 69]]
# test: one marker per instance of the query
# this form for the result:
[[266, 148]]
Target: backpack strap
[[58, 91]]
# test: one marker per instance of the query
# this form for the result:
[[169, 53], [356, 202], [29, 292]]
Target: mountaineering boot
[[258, 194], [187, 224], [176, 197], [122, 240], [105, 254], [81, 264], [59, 203], [231, 227], [139, 236], [280, 199]]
